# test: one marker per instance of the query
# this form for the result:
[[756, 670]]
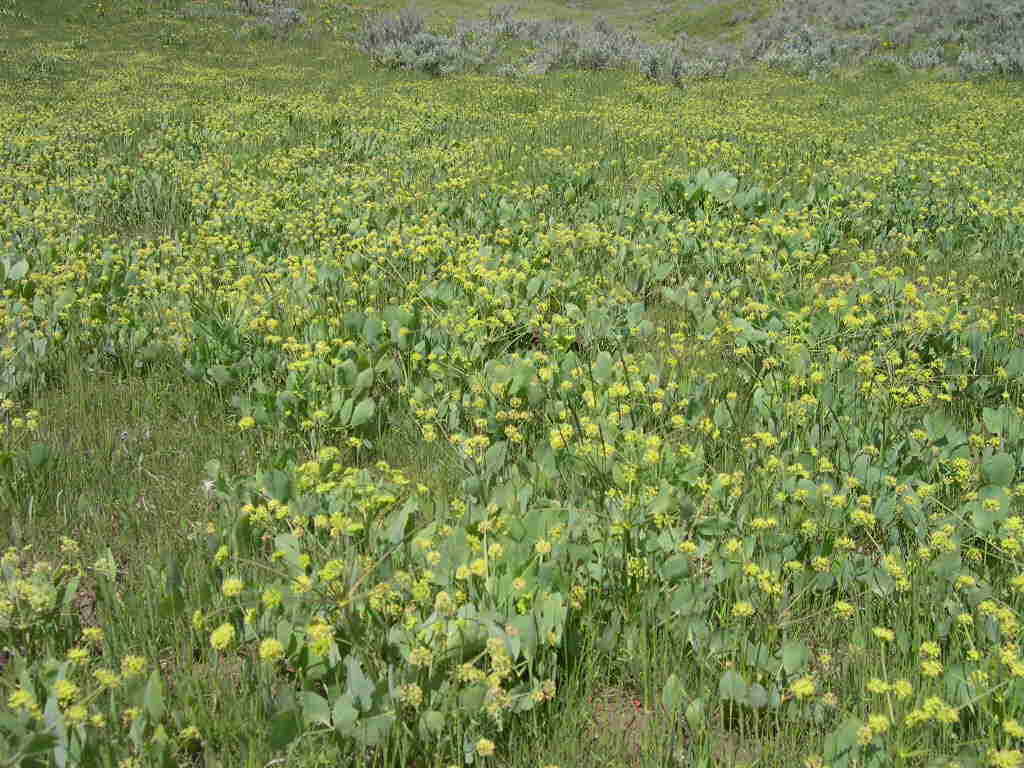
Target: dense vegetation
[[397, 391]]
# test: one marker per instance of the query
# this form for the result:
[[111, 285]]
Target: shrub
[[668, 63], [273, 19], [999, 59], [926, 59], [808, 48], [402, 42], [389, 31], [571, 46]]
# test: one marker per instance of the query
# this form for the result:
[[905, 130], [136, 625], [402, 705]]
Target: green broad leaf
[[173, 599], [394, 313], [344, 715], [494, 458], [524, 704], [994, 419], [689, 599], [552, 618], [220, 375], [521, 377], [760, 656], [373, 731], [241, 535], [535, 393], [345, 412], [880, 582], [353, 321], [864, 471], [698, 634], [946, 566], [569, 362], [363, 412], [71, 591], [672, 694], [695, 715], [261, 416], [1015, 364], [38, 455], [398, 318], [732, 686], [55, 723], [363, 381], [960, 691], [431, 723], [841, 744], [545, 462], [722, 417], [533, 287], [17, 270], [399, 520], [38, 743], [371, 330], [279, 485], [757, 696], [136, 733], [938, 424], [9, 722], [675, 568], [360, 687], [315, 709], [513, 644], [153, 698], [472, 698], [64, 299], [984, 517], [526, 625], [284, 728], [715, 527], [288, 545], [603, 368], [800, 359], [722, 186], [999, 469], [676, 297], [152, 351], [795, 656], [350, 372]]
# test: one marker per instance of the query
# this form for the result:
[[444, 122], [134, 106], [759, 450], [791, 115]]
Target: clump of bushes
[[270, 19], [402, 42], [670, 63], [803, 35], [800, 36], [570, 46]]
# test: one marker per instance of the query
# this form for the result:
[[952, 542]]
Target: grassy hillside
[[509, 387]]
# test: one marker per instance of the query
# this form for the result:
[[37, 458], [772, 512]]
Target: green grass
[[679, 443]]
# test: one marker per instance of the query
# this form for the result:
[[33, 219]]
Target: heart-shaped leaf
[[732, 686], [999, 469], [363, 412], [672, 693]]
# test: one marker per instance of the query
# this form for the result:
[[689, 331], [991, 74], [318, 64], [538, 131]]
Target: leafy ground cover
[[357, 416]]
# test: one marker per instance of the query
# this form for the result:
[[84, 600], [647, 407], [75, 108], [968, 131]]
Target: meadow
[[570, 385]]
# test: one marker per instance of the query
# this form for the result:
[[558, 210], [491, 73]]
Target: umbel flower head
[[222, 637]]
